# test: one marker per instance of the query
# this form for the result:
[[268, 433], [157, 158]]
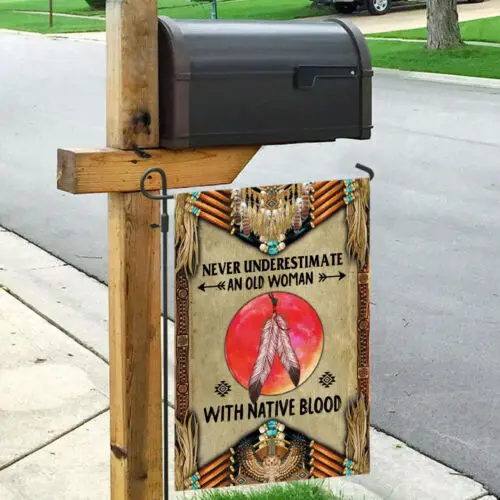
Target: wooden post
[[132, 73], [135, 348], [134, 259], [134, 247]]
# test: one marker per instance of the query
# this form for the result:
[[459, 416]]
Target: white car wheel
[[379, 7]]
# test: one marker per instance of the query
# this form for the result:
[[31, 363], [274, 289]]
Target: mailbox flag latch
[[305, 77]]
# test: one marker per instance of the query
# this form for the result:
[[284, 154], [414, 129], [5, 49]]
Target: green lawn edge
[[471, 60], [13, 17], [479, 30], [40, 23], [476, 61]]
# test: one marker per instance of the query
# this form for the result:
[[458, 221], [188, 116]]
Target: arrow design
[[220, 286], [324, 277]]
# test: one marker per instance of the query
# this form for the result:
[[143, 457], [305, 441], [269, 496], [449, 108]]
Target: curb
[[490, 83], [415, 40], [77, 305], [469, 81], [92, 36], [58, 14]]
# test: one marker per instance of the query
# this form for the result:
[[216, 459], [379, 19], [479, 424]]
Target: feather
[[305, 202], [186, 235], [286, 353], [297, 222], [245, 223], [250, 464], [236, 206], [291, 463], [357, 223], [265, 358]]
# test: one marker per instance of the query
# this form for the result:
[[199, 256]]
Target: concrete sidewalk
[[54, 420]]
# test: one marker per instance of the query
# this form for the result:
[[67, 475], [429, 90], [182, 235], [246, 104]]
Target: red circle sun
[[244, 332]]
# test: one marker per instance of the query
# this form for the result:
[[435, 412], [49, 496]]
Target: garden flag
[[272, 334]]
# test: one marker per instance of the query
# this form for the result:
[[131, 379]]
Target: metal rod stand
[[163, 226]]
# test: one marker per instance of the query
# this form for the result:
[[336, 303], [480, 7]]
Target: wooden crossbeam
[[82, 171]]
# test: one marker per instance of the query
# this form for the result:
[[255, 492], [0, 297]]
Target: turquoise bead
[[272, 433], [272, 424], [272, 251]]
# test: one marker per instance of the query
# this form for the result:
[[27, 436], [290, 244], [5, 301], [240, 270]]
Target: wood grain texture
[[134, 252], [132, 73], [135, 348], [82, 171]]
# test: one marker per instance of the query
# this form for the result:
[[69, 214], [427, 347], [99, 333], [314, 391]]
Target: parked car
[[374, 7]]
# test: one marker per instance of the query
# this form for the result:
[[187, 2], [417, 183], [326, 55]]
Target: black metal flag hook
[[148, 174], [163, 226], [368, 170]]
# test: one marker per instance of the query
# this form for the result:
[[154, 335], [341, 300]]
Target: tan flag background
[[272, 363]]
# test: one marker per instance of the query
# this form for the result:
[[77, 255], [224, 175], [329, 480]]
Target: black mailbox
[[262, 82]]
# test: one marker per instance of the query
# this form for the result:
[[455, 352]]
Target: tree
[[443, 30], [97, 4]]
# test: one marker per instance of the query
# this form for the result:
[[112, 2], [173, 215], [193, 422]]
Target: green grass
[[40, 24], [468, 61], [179, 9], [242, 9], [294, 491], [10, 19], [481, 30], [62, 6]]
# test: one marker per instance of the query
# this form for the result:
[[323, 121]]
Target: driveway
[[414, 18]]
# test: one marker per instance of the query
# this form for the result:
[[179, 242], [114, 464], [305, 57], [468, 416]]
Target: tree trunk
[[443, 30]]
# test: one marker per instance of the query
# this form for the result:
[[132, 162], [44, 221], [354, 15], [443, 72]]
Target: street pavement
[[435, 231], [53, 381]]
